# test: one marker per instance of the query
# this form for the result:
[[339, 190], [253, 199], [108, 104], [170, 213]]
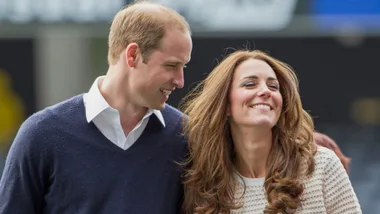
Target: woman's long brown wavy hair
[[208, 178]]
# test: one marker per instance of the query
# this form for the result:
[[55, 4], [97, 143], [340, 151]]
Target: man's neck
[[130, 114], [129, 120]]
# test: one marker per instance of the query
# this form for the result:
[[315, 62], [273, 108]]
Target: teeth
[[166, 92], [261, 106]]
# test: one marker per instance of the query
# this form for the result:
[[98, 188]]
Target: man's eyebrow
[[175, 62]]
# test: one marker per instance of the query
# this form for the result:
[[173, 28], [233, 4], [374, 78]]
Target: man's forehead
[[173, 57], [175, 50]]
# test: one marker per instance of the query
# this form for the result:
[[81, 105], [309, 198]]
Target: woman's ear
[[228, 114]]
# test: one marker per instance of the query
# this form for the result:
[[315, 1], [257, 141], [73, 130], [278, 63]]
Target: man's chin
[[159, 106]]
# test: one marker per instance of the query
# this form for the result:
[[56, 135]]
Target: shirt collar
[[95, 104]]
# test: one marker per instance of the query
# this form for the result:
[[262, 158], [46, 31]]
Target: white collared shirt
[[107, 119]]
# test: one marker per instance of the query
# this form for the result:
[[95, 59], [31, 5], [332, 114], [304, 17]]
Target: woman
[[252, 148]]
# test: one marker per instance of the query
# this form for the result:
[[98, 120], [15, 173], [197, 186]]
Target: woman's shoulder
[[324, 158], [323, 152]]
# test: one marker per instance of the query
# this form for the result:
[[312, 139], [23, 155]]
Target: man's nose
[[178, 79]]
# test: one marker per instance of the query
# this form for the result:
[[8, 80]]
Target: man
[[114, 149]]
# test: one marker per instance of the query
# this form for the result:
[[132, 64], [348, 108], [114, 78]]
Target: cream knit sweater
[[328, 190]]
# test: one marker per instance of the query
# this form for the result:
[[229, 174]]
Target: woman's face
[[255, 98]]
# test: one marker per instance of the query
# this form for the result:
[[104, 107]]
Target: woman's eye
[[249, 84], [274, 86]]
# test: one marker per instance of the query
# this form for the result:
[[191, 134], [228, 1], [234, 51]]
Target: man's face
[[152, 82]]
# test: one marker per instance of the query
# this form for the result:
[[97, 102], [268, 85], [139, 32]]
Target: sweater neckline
[[248, 181]]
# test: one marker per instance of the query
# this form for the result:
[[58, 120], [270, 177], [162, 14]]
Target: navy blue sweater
[[60, 164]]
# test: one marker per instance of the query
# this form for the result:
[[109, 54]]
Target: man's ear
[[131, 54]]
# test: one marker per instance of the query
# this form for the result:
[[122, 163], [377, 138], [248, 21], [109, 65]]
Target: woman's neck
[[252, 150]]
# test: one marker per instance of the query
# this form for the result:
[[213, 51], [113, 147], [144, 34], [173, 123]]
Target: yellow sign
[[11, 110], [366, 111]]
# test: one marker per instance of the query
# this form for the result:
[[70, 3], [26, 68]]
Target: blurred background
[[52, 50]]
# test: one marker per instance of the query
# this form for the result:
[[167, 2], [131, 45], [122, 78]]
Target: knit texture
[[328, 190], [59, 163]]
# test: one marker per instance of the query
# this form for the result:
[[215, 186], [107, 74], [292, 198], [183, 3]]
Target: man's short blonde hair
[[144, 23]]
